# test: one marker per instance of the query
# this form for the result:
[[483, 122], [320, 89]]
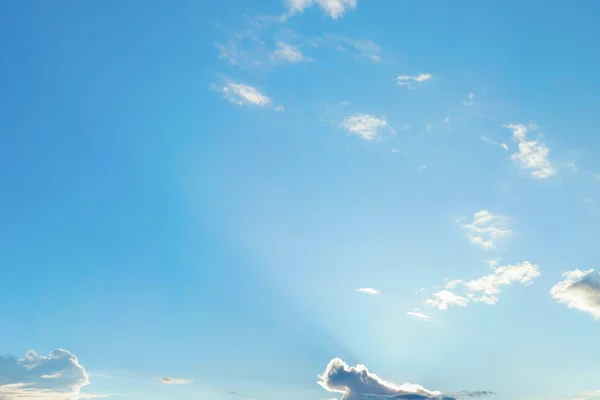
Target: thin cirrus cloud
[[246, 95], [416, 314], [287, 53], [369, 291], [413, 81], [579, 290], [366, 126], [174, 381], [486, 288], [487, 228], [532, 154], [358, 383], [58, 376], [359, 48], [332, 8], [471, 97]]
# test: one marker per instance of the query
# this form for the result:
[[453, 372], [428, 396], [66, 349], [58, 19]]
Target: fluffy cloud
[[485, 288], [174, 381], [35, 377], [445, 298], [412, 81], [358, 383], [532, 155], [486, 228], [368, 290], [579, 290], [364, 125], [288, 53], [241, 94], [333, 8]]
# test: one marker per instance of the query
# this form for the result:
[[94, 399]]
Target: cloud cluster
[[486, 228], [485, 288], [366, 126], [532, 155], [35, 377], [358, 383], [333, 8], [412, 81], [579, 290]]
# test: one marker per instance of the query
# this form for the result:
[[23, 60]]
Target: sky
[[299, 199]]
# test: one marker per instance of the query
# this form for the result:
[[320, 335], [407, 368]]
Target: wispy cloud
[[486, 228], [369, 291], [471, 97], [413, 81], [487, 140], [174, 381], [532, 155], [332, 8], [579, 290], [288, 53], [359, 48], [486, 288], [418, 315], [246, 95], [366, 126], [504, 146]]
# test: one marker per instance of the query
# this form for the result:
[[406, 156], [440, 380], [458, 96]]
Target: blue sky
[[303, 199]]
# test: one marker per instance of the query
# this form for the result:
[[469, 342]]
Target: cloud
[[486, 228], [175, 381], [421, 167], [366, 126], [358, 383], [471, 96], [358, 48], [484, 289], [532, 155], [246, 95], [504, 146], [587, 395], [487, 139], [579, 290], [445, 298], [333, 8], [418, 315], [35, 377], [572, 166], [369, 291], [412, 81], [288, 53]]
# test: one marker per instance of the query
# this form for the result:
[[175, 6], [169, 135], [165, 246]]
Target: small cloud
[[487, 139], [445, 298], [486, 228], [394, 150], [174, 381], [447, 120], [413, 81], [333, 8], [471, 96], [504, 146], [418, 315], [288, 53], [55, 375], [369, 291], [241, 94], [533, 154], [359, 48], [587, 200], [366, 126], [421, 167], [279, 108], [579, 290], [572, 166], [428, 127]]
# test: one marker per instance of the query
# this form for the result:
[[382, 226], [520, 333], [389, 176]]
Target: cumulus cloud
[[485, 288], [59, 376], [288, 53], [333, 8], [366, 126], [412, 81], [486, 228], [368, 290], [358, 383], [175, 381], [532, 155], [579, 290]]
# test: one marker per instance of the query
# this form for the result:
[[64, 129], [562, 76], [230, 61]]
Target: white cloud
[[358, 48], [487, 139], [412, 81], [358, 383], [35, 377], [445, 298], [246, 95], [366, 126], [288, 53], [532, 155], [486, 228], [471, 96], [579, 290], [175, 381], [418, 315], [447, 120], [421, 167], [369, 291], [504, 146], [587, 396], [333, 8]]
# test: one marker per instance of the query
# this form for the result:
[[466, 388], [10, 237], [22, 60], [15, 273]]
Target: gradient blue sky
[[197, 189]]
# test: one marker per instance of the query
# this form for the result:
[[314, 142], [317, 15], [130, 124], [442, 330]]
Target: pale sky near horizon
[[299, 199]]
